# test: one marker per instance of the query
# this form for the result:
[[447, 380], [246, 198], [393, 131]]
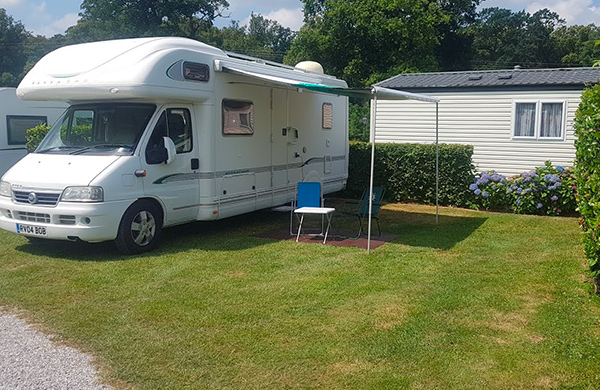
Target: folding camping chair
[[362, 211], [309, 200]]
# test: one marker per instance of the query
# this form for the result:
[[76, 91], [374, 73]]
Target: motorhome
[[16, 117], [164, 131]]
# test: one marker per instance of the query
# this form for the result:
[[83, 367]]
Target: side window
[[238, 117], [539, 120], [327, 116], [176, 124], [17, 126]]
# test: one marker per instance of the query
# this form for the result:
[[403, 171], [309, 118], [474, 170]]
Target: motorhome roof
[[137, 68]]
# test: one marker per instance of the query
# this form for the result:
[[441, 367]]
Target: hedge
[[35, 135], [587, 173], [407, 172]]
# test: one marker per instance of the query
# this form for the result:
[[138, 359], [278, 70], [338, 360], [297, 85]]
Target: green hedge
[[587, 172], [407, 172], [35, 135]]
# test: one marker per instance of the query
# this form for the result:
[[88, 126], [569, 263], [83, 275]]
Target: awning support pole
[[372, 136], [437, 163]]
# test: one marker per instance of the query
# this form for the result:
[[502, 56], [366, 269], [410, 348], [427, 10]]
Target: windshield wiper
[[101, 146], [55, 148]]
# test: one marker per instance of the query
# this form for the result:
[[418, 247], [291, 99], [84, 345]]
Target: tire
[[140, 228]]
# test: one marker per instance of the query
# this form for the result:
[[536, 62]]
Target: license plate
[[31, 230]]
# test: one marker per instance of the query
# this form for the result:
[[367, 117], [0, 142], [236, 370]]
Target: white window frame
[[538, 120]]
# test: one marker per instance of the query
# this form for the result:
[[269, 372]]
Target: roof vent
[[505, 76], [475, 77], [517, 67], [310, 66]]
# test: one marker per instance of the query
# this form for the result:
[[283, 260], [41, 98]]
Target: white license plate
[[31, 230]]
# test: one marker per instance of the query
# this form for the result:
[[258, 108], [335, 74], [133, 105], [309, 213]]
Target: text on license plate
[[31, 230]]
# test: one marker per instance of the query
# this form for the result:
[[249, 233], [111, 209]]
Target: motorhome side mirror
[[171, 151]]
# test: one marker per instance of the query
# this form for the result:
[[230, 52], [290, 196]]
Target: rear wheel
[[140, 228]]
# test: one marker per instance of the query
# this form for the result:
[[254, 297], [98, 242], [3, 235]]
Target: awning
[[361, 93], [374, 92]]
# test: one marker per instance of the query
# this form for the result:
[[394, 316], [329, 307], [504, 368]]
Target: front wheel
[[140, 228]]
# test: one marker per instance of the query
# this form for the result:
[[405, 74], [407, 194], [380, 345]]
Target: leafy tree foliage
[[107, 19], [12, 50], [577, 45], [261, 38], [503, 39], [364, 41]]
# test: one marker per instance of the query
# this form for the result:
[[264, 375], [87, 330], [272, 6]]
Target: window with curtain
[[538, 120], [525, 120]]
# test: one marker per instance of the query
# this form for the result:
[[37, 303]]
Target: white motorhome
[[16, 116], [164, 131]]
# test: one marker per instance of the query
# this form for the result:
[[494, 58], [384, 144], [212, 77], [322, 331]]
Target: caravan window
[[238, 117], [327, 116], [17, 126], [538, 120], [98, 129]]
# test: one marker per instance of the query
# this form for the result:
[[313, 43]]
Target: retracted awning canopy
[[363, 93]]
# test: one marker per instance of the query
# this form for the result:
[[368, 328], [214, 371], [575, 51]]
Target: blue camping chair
[[309, 200], [362, 211]]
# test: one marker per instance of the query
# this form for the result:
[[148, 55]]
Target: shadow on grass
[[421, 230], [238, 233], [223, 235]]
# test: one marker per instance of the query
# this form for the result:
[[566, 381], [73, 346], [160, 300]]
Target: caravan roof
[[143, 68]]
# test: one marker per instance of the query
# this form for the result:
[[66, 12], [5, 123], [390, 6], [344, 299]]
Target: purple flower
[[477, 191], [485, 194], [519, 201], [554, 198], [560, 168], [538, 206], [519, 190], [473, 187]]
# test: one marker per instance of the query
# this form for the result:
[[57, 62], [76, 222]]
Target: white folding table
[[323, 211]]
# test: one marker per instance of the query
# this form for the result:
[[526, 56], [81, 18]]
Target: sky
[[54, 17]]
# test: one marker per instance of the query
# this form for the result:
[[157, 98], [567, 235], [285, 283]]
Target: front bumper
[[90, 222]]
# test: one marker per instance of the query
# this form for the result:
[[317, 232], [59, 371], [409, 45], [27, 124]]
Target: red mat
[[334, 239]]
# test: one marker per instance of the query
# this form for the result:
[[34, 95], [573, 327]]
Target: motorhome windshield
[[95, 129]]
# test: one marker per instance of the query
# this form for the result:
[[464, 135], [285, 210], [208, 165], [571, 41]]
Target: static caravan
[[164, 131], [16, 116], [515, 119]]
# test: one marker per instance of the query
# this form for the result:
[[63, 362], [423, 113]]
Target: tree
[[456, 43], [12, 50], [365, 41], [503, 39], [261, 38], [577, 45], [107, 19]]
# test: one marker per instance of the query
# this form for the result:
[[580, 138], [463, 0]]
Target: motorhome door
[[175, 183], [285, 153]]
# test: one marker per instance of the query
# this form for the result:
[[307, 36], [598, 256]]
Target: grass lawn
[[482, 300]]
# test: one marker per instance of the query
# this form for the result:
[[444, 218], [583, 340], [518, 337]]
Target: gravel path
[[29, 360]]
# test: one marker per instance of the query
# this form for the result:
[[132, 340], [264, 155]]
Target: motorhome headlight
[[4, 188], [83, 194]]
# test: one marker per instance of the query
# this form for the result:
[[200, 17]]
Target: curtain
[[551, 124], [525, 119]]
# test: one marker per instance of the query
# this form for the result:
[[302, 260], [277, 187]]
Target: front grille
[[33, 217], [66, 219], [43, 198]]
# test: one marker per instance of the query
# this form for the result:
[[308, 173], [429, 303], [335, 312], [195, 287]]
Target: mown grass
[[481, 300]]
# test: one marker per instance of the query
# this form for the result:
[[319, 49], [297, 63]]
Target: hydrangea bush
[[547, 190]]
